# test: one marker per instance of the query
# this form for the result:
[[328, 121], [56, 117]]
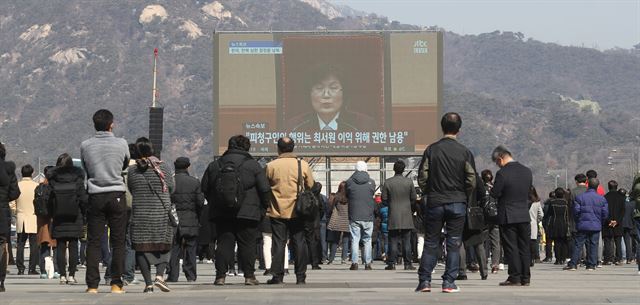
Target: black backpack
[[229, 191], [41, 200], [65, 201]]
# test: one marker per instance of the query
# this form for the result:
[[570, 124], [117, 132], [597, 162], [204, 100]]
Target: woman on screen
[[329, 103]]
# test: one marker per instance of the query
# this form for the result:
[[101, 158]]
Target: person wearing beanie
[[360, 190], [189, 202]]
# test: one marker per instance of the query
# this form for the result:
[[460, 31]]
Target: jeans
[[129, 273], [323, 240], [396, 237], [106, 208], [45, 251], [452, 217], [591, 238], [333, 245], [33, 251], [361, 230], [630, 243]]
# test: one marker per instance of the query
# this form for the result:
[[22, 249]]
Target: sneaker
[[451, 288], [240, 274], [390, 267], [570, 268], [131, 282], [71, 280], [56, 275], [2, 289], [92, 290], [117, 289], [162, 285], [43, 276], [82, 266], [63, 280], [267, 272], [461, 277], [148, 289], [219, 281], [501, 267], [209, 261], [423, 287], [591, 269], [367, 267], [494, 269], [354, 267]]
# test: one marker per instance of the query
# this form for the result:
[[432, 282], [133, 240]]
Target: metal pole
[[155, 88], [383, 170], [327, 173], [566, 179], [557, 176]]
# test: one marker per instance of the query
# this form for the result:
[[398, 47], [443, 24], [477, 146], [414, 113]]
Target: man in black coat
[[237, 224], [612, 228], [511, 187], [9, 191], [189, 202]]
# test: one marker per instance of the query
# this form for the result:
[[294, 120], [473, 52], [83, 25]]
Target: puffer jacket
[[68, 227], [256, 186], [360, 189], [189, 201], [590, 210]]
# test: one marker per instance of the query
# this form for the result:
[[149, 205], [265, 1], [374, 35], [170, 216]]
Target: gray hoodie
[[104, 157], [360, 191]]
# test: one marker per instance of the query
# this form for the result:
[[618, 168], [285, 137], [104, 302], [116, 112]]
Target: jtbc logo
[[420, 44]]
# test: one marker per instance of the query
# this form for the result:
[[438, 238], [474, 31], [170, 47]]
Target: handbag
[[307, 205], [171, 211], [475, 218], [491, 210]]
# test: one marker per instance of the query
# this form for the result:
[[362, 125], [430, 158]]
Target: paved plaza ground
[[334, 284]]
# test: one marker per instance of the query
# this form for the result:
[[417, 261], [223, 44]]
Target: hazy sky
[[593, 23]]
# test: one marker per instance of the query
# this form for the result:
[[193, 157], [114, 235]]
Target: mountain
[[62, 60]]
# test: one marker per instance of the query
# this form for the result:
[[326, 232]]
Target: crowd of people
[[128, 210]]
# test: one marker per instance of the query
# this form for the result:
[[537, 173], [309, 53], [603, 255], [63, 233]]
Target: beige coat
[[282, 174], [26, 221]]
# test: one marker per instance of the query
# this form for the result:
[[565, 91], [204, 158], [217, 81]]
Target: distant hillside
[[62, 60]]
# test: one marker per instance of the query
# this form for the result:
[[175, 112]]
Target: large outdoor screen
[[334, 93]]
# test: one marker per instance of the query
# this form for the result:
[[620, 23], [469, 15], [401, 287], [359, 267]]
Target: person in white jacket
[[535, 214]]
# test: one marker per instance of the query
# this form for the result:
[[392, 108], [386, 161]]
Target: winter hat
[[361, 166]]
